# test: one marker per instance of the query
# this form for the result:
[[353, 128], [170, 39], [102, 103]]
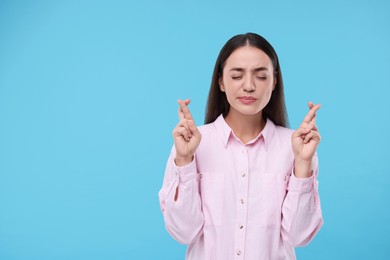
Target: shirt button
[[285, 178], [242, 201], [241, 227], [239, 252]]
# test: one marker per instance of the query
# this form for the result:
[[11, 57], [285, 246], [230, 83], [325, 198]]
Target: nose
[[249, 85]]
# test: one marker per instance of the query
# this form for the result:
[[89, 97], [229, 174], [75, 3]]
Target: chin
[[249, 112]]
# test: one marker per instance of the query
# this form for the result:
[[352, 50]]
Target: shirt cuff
[[186, 172], [301, 185]]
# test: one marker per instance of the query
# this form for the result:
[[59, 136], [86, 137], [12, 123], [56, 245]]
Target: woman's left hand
[[306, 138]]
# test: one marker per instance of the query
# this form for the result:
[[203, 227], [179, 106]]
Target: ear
[[221, 87]]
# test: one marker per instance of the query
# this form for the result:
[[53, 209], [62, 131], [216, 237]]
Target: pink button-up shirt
[[241, 201]]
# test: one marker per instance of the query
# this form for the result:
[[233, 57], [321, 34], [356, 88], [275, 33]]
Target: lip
[[247, 100]]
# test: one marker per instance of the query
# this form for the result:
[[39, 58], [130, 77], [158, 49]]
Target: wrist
[[302, 168], [183, 160]]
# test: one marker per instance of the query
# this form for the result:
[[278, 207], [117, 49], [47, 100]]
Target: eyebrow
[[255, 69]]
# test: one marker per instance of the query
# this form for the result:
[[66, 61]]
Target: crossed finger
[[311, 115], [183, 130], [184, 112], [180, 111]]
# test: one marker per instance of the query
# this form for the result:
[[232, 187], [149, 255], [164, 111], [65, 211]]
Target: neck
[[245, 127]]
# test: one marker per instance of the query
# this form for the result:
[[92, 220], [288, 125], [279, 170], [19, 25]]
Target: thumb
[[301, 131]]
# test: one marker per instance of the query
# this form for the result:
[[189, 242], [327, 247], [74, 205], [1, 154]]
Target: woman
[[243, 186]]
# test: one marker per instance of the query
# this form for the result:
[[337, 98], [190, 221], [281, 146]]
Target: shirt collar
[[225, 131]]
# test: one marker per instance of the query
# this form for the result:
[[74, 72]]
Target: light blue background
[[88, 94]]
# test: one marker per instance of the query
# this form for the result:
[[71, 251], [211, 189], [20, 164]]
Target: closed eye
[[237, 77]]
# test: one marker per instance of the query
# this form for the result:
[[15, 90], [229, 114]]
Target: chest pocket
[[269, 200], [212, 188]]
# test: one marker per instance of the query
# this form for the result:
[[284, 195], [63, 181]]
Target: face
[[248, 80]]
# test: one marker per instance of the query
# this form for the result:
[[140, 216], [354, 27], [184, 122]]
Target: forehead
[[248, 57]]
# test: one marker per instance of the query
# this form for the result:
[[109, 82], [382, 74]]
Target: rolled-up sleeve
[[180, 201]]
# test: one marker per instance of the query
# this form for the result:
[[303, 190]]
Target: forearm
[[180, 202], [303, 168], [181, 161], [301, 211]]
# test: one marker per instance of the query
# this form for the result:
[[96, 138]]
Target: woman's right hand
[[186, 135]]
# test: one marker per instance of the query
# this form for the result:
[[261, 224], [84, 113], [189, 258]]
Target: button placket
[[242, 211]]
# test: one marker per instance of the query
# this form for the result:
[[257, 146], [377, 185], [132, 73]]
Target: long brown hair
[[217, 102]]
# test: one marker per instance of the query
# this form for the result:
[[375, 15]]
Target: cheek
[[268, 93], [230, 93], [231, 85], [267, 86], [228, 81]]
